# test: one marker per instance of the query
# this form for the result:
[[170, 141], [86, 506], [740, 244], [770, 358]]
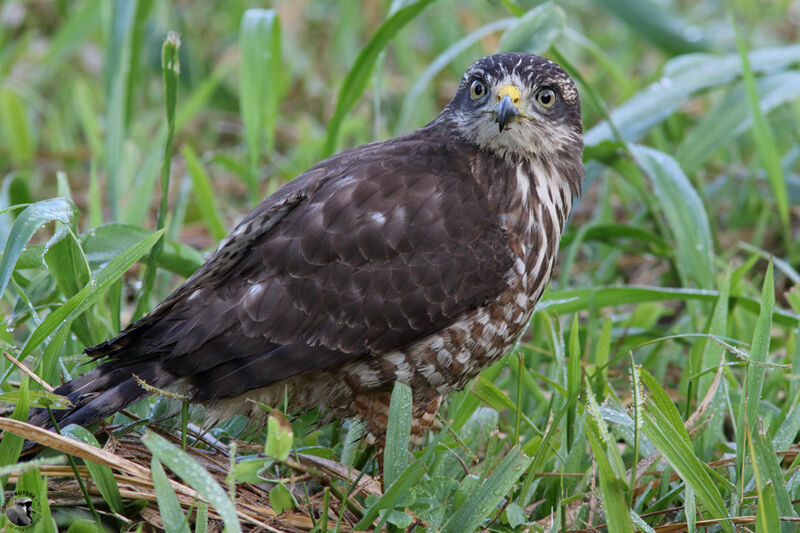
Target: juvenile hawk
[[418, 259]]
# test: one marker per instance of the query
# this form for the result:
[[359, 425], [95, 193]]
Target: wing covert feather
[[363, 254]]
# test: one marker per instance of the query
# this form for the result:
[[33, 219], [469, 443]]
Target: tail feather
[[102, 392]]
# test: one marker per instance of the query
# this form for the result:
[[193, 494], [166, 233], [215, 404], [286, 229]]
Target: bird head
[[518, 106]]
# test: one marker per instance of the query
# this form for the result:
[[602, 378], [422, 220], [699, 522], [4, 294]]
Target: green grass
[[659, 382]]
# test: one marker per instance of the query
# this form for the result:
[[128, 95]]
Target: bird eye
[[546, 97], [477, 89]]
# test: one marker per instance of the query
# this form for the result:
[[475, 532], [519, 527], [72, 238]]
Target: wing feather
[[365, 253]]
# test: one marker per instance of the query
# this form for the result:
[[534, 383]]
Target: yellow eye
[[477, 89], [546, 97]]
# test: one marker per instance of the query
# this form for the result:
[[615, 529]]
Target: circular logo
[[22, 509]]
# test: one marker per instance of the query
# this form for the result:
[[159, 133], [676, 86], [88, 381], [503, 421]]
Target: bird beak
[[506, 109]]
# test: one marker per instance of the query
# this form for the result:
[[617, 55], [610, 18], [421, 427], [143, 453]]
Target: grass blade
[[750, 398], [48, 364], [572, 300], [486, 497], [90, 293], [70, 269], [685, 215], [612, 488], [31, 219], [767, 519], [188, 107], [573, 377], [593, 413], [492, 396], [684, 77], [16, 127], [544, 448], [83, 96], [143, 182], [168, 505], [638, 403], [759, 348], [11, 445], [764, 138], [711, 356], [789, 426], [411, 101], [259, 83], [601, 355], [770, 470], [535, 30], [17, 468], [137, 47], [102, 475], [202, 193], [201, 520], [653, 22], [171, 70], [81, 21], [104, 243], [400, 486], [356, 80], [690, 510], [195, 476], [731, 117], [197, 99], [395, 455], [118, 54], [665, 429]]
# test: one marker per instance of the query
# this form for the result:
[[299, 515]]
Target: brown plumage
[[418, 259]]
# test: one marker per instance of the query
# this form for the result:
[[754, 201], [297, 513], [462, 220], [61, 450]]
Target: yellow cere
[[510, 91]]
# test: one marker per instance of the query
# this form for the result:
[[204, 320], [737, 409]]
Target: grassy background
[[657, 386]]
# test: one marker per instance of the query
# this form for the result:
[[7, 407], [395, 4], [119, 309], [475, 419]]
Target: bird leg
[[373, 410], [423, 418]]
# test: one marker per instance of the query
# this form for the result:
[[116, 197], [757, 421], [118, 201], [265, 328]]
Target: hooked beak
[[506, 110]]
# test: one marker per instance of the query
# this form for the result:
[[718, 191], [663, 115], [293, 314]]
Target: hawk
[[419, 259]]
